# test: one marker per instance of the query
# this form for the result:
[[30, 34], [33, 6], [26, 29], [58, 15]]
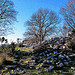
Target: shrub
[[12, 46], [3, 57], [4, 49]]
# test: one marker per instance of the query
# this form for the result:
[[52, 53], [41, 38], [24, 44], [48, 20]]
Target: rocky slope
[[53, 55]]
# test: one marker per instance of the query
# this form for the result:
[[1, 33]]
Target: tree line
[[42, 23]]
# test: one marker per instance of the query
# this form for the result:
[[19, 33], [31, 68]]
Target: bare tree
[[42, 24], [7, 16], [63, 30], [68, 12]]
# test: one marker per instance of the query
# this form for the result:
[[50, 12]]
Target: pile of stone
[[55, 43], [52, 54], [54, 59]]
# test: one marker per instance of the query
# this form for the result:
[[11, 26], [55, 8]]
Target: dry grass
[[24, 49], [3, 57], [29, 48]]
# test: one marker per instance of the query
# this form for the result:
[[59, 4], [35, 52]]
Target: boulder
[[51, 67]]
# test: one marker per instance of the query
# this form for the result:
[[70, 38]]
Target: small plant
[[12, 46]]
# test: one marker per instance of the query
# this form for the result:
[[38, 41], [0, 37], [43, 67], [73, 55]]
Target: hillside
[[53, 56]]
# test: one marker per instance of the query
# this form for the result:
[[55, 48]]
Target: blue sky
[[25, 10]]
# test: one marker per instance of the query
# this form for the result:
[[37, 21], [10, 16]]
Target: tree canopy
[[7, 16]]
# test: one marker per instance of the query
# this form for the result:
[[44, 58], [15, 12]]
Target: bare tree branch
[[41, 24], [7, 16]]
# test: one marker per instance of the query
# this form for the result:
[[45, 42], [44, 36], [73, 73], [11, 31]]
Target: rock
[[49, 58], [60, 65], [68, 58], [32, 61], [5, 68], [36, 60], [73, 68], [55, 52], [46, 70], [32, 58], [48, 62], [73, 55], [42, 65], [60, 56], [40, 57], [40, 61], [17, 57], [37, 68], [53, 63], [66, 63], [48, 55], [46, 51], [51, 67], [27, 67], [13, 74], [12, 66], [44, 61], [52, 58], [41, 54]]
